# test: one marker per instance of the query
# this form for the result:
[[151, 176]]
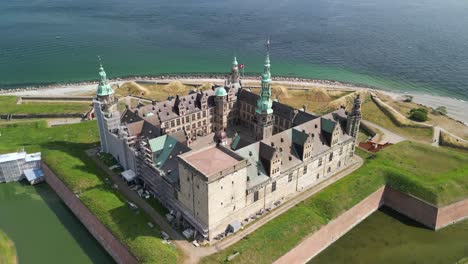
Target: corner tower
[[107, 116], [234, 72], [264, 111], [354, 118]]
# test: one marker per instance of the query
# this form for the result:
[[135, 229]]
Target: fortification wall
[[336, 228], [412, 207], [113, 246], [452, 214]]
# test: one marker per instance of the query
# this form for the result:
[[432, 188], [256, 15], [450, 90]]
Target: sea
[[399, 45]]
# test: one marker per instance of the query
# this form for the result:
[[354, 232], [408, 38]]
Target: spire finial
[[268, 45]]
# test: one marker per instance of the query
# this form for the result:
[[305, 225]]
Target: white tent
[[129, 175]]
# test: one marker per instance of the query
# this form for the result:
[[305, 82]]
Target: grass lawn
[[63, 149], [7, 250], [8, 106], [437, 175], [158, 92], [372, 113]]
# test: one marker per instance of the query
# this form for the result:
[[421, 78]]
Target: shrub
[[418, 114]]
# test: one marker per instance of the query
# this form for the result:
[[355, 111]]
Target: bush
[[441, 110], [418, 114]]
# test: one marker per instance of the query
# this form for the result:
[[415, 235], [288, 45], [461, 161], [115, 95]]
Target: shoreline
[[455, 107]]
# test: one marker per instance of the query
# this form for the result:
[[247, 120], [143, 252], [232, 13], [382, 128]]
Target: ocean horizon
[[416, 47]]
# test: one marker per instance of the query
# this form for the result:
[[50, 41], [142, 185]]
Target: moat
[[43, 229], [389, 237]]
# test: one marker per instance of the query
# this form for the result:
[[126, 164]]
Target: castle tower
[[354, 118], [264, 112], [234, 71], [107, 116], [221, 111]]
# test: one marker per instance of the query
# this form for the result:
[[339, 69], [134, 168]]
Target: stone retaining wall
[[113, 246], [412, 207], [336, 228]]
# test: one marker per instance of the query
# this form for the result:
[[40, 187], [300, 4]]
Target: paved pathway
[[193, 254], [389, 136]]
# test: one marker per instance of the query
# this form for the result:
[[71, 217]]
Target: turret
[[354, 118], [234, 71], [105, 93], [264, 111]]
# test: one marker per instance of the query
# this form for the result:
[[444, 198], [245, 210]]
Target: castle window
[[273, 186], [341, 151], [255, 196], [331, 157], [318, 176], [305, 170], [178, 122], [320, 162], [198, 115], [187, 119], [290, 177], [204, 113], [329, 170]]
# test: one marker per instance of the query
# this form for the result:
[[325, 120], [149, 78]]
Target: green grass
[[63, 149], [372, 113], [8, 106], [7, 250], [436, 175]]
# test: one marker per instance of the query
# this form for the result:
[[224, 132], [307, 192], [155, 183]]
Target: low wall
[[107, 240], [452, 214], [336, 228], [31, 116], [412, 207], [58, 98]]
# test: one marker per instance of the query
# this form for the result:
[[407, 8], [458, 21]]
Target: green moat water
[[43, 229], [388, 237]]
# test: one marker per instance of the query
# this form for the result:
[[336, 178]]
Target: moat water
[[418, 45], [43, 229], [389, 237]]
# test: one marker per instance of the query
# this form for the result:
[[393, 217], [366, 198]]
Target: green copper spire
[[104, 89], [264, 103], [234, 62]]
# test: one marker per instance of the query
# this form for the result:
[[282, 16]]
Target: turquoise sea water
[[418, 45]]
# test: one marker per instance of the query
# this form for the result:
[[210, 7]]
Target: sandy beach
[[456, 108]]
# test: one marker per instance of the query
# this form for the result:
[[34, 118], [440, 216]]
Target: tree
[[418, 114], [441, 110], [407, 98]]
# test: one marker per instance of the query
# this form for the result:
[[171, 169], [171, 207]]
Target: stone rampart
[[452, 214], [412, 207], [108, 241], [336, 228]]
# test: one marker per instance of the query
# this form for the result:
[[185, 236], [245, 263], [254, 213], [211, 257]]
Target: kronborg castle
[[219, 156]]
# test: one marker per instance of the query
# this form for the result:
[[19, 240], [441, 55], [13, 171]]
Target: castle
[[217, 157]]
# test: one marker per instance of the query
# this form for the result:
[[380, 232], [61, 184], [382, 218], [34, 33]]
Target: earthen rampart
[[107, 240]]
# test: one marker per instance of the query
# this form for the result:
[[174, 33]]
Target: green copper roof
[[235, 141], [220, 91], [104, 88], [162, 147], [234, 62], [327, 125], [265, 103]]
